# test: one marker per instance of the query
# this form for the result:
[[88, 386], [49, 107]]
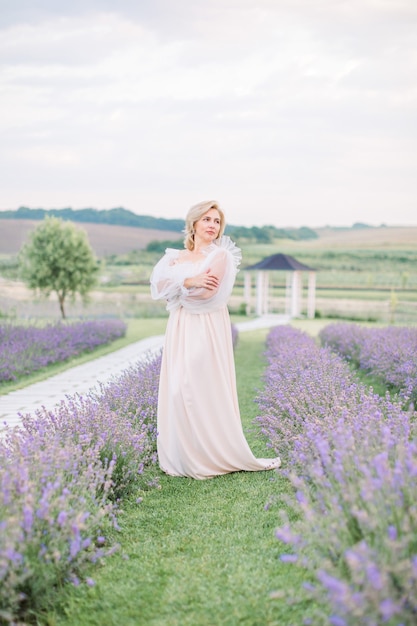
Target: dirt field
[[384, 237], [104, 239]]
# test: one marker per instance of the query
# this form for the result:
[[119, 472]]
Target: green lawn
[[197, 552]]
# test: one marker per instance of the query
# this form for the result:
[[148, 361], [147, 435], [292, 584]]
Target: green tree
[[58, 258]]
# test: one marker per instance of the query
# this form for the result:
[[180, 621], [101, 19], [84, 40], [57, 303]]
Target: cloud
[[263, 104]]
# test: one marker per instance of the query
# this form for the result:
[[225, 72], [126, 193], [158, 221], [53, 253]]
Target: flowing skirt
[[200, 432]]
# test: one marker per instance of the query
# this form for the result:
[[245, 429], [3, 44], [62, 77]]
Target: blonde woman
[[200, 433]]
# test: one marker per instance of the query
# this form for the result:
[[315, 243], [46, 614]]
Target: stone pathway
[[78, 379], [82, 378]]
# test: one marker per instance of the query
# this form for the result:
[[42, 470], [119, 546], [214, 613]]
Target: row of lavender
[[26, 349], [389, 353], [62, 477], [352, 459]]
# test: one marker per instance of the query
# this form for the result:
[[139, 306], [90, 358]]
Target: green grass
[[369, 294], [370, 264], [197, 552], [377, 385], [136, 329]]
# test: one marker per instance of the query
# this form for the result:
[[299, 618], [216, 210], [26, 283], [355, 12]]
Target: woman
[[200, 433]]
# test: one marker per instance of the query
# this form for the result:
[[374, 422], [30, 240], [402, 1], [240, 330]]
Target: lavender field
[[389, 353], [26, 349], [351, 457], [63, 476]]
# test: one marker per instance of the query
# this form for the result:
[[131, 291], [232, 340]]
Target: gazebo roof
[[280, 262]]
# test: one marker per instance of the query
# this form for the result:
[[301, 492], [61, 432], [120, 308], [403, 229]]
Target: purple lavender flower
[[288, 558], [235, 335], [61, 476], [351, 457], [25, 349], [388, 353]]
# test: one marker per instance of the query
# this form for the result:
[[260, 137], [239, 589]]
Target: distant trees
[[161, 246], [267, 234], [58, 259], [256, 234], [117, 217], [123, 217]]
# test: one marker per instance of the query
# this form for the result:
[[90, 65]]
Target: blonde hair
[[194, 214]]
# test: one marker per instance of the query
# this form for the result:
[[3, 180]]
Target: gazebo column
[[311, 296], [295, 294], [265, 308], [288, 293], [259, 293], [247, 291]]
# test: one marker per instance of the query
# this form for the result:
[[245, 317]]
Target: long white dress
[[200, 432]]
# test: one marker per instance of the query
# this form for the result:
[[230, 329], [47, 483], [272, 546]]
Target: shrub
[[235, 335], [352, 460], [389, 354], [62, 475], [25, 349]]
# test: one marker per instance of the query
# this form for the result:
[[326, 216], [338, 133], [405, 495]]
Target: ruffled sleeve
[[223, 259], [226, 243], [167, 279]]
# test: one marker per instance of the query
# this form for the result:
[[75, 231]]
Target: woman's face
[[207, 228]]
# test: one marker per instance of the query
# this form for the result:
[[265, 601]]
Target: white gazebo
[[293, 286]]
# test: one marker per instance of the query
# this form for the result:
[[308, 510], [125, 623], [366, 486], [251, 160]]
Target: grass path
[[197, 552]]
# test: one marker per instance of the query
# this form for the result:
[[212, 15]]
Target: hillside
[[352, 238], [123, 217], [105, 239], [115, 217]]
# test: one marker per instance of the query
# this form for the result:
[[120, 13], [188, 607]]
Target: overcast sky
[[288, 112]]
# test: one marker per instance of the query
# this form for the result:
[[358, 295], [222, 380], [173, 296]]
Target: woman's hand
[[206, 280]]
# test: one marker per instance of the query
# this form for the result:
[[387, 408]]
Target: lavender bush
[[235, 335], [389, 354], [53, 507], [25, 349], [62, 475], [352, 459], [345, 339]]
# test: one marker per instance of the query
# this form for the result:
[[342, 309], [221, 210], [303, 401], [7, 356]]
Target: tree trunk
[[61, 305]]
